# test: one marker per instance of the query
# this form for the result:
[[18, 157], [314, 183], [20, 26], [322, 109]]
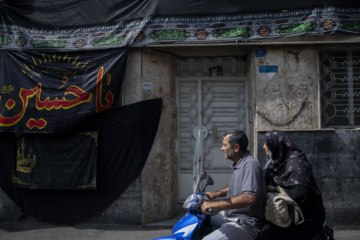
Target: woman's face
[[267, 150]]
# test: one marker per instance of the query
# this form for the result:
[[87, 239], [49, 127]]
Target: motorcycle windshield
[[198, 163]]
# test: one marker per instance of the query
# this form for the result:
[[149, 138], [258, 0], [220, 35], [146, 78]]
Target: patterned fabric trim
[[172, 29]]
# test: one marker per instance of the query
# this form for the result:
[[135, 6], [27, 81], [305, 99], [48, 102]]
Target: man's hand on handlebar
[[208, 208], [211, 195]]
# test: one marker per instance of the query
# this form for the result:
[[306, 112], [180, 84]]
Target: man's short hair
[[239, 137]]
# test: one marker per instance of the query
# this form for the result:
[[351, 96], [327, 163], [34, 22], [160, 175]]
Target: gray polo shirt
[[247, 177]]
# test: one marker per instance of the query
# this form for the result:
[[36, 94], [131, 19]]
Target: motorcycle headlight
[[188, 202]]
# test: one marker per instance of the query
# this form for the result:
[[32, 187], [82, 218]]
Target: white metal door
[[215, 104]]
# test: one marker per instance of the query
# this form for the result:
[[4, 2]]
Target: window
[[340, 87]]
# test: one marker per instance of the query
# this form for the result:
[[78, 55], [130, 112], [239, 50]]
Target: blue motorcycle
[[195, 224]]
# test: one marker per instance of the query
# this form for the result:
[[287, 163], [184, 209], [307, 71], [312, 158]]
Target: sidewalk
[[43, 231]]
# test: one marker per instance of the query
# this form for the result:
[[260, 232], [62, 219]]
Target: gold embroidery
[[25, 164]]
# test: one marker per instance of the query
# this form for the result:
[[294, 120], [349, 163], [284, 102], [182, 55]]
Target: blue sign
[[260, 53], [266, 69]]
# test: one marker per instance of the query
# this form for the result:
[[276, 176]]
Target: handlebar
[[206, 197], [211, 211]]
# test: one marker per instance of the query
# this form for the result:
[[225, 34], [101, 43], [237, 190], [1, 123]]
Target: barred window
[[340, 87]]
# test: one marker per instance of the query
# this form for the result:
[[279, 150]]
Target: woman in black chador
[[289, 168]]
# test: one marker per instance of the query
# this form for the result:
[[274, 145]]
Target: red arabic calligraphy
[[25, 94], [109, 97], [41, 123]]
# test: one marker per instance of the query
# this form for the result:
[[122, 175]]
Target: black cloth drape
[[71, 13], [125, 138], [56, 161]]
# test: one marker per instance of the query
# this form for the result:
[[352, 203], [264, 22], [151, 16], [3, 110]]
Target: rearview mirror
[[209, 181], [203, 175]]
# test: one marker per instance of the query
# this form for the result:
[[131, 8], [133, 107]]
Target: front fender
[[186, 226]]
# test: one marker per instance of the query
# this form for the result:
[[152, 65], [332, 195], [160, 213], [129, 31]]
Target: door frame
[[243, 79]]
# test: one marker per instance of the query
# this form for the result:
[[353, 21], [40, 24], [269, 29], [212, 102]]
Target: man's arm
[[239, 201], [221, 193]]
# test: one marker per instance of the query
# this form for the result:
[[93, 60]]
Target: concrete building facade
[[290, 99], [287, 84]]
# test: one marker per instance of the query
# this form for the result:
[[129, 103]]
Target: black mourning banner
[[56, 161], [44, 91], [125, 137]]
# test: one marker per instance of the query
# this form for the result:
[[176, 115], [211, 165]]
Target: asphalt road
[[36, 231], [42, 231]]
